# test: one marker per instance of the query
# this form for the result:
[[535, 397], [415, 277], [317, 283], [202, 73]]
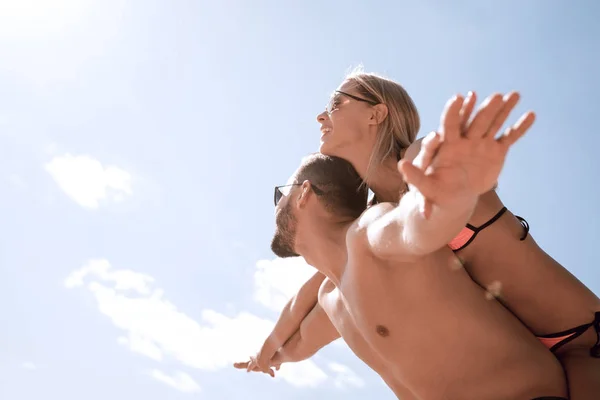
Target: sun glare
[[20, 18]]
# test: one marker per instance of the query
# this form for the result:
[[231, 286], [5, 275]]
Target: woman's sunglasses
[[333, 102]]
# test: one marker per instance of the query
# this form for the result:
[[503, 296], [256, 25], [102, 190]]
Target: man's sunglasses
[[279, 193], [332, 105]]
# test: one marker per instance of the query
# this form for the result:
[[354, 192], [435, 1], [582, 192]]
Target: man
[[393, 290]]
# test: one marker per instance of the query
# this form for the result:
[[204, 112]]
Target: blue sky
[[140, 141]]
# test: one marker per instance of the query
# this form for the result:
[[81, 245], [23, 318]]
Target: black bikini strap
[[525, 226], [550, 398], [491, 221], [571, 334], [595, 350], [574, 333]]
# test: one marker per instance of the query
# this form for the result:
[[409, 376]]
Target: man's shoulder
[[326, 287], [373, 214], [358, 232], [326, 294]]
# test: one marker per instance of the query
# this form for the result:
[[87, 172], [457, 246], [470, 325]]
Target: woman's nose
[[323, 116]]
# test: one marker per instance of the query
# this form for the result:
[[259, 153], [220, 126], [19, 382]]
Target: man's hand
[[465, 158], [253, 366]]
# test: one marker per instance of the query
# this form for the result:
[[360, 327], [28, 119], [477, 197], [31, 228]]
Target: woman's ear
[[379, 114]]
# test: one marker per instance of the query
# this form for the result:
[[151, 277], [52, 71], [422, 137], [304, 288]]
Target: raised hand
[[465, 158]]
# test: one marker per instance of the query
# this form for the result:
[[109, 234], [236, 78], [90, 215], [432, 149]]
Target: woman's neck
[[384, 179]]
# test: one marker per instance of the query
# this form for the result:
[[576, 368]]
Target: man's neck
[[324, 247], [385, 179]]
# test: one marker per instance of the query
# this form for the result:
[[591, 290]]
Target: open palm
[[465, 159]]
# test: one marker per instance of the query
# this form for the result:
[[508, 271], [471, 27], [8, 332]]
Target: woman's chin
[[326, 148], [329, 148]]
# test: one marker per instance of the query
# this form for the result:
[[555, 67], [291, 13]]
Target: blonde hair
[[399, 129]]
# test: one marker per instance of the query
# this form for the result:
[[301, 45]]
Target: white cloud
[[345, 376], [141, 345], [156, 329], [301, 374], [276, 281], [29, 365], [124, 279], [87, 182], [180, 381]]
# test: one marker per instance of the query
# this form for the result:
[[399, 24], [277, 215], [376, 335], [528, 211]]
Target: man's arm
[[316, 331], [403, 231], [291, 318]]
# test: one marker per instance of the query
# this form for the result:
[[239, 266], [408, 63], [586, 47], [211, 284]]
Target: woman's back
[[530, 283]]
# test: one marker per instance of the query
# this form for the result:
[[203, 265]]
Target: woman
[[372, 122]]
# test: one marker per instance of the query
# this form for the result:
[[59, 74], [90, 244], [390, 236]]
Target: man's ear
[[379, 113], [303, 194]]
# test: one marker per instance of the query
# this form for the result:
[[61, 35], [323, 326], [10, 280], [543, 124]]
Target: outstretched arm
[[463, 166], [290, 320], [316, 331]]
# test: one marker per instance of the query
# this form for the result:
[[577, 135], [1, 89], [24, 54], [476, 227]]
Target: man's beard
[[285, 232]]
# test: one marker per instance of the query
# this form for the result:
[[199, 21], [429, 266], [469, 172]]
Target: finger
[[466, 111], [417, 178], [253, 368], [450, 120], [251, 365], [429, 147], [485, 116], [515, 132], [240, 365], [510, 101], [271, 373]]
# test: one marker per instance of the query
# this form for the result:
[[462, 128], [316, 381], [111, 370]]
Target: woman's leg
[[583, 373]]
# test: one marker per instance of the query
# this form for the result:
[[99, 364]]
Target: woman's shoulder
[[412, 150]]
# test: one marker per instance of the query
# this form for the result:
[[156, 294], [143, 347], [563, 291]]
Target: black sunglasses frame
[[329, 108], [278, 194]]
